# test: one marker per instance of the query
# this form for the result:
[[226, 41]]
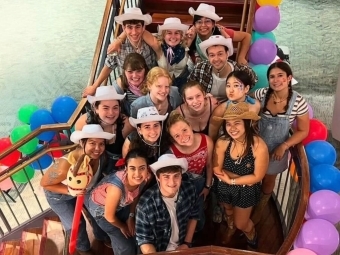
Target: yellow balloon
[[274, 3]]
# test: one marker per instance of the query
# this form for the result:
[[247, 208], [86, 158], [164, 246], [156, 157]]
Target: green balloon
[[261, 72], [25, 112], [20, 177], [256, 36], [18, 133]]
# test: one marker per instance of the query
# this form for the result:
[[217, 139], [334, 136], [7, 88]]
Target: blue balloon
[[42, 117], [257, 35], [63, 108], [320, 152], [324, 177], [43, 162], [261, 72]]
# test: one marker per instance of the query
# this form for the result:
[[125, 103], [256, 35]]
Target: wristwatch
[[131, 215], [188, 244], [207, 186]]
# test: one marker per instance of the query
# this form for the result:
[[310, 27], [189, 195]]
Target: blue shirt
[[153, 223]]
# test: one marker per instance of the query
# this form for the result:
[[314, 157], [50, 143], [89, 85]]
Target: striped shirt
[[300, 105]]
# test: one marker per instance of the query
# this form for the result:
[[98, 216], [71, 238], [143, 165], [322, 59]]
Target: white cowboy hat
[[205, 10], [147, 114], [105, 93], [133, 13], [217, 40], [169, 160], [172, 23], [90, 131]]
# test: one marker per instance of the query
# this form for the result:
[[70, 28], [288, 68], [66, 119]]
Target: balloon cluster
[[318, 234], [32, 118], [263, 49]]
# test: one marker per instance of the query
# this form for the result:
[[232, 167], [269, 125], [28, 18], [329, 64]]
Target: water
[[46, 50]]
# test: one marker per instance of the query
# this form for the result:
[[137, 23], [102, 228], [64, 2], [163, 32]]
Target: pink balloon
[[310, 111], [301, 251], [6, 184]]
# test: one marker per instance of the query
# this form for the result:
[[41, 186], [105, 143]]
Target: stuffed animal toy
[[79, 175]]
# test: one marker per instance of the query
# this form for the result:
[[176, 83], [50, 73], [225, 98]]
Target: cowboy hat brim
[[76, 136], [134, 122], [244, 116], [217, 41], [129, 16], [92, 99], [175, 26], [206, 14], [182, 162]]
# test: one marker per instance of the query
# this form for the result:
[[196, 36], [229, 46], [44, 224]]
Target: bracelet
[[286, 145], [119, 39], [207, 186], [233, 182]]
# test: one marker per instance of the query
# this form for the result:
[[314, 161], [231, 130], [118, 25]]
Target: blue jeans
[[63, 206], [120, 244]]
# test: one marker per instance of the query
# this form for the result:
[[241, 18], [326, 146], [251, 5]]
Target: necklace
[[279, 101], [219, 71], [136, 47], [239, 155]]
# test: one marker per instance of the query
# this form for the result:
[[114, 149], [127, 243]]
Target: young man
[[212, 73], [167, 213], [134, 23]]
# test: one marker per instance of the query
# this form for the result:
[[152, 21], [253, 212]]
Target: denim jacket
[[175, 100]]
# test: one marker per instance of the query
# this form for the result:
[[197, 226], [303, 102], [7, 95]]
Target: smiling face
[[137, 171], [169, 183], [160, 89], [217, 56], [134, 32], [108, 111], [135, 77], [94, 147], [235, 128], [204, 26], [194, 97], [172, 37], [150, 131], [278, 79], [182, 134], [236, 90]]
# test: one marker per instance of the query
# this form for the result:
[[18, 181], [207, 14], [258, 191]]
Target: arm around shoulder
[[81, 122]]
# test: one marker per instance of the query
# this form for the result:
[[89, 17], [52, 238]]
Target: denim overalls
[[274, 130]]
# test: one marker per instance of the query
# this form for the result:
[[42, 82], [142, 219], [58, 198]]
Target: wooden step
[[10, 247], [53, 239], [30, 241]]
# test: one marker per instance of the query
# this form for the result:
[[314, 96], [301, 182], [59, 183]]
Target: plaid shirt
[[114, 60], [202, 73], [153, 223]]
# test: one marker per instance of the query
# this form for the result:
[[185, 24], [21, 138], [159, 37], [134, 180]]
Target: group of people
[[165, 137]]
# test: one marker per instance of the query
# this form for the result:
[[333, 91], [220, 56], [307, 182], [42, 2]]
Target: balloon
[[43, 162], [42, 117], [310, 111], [26, 111], [13, 157], [324, 204], [269, 2], [324, 177], [301, 251], [55, 143], [256, 36], [261, 72], [266, 19], [263, 51], [20, 177], [63, 108], [7, 183], [20, 132], [320, 152], [317, 131], [319, 236]]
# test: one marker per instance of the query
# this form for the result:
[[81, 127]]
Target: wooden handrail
[[251, 13]]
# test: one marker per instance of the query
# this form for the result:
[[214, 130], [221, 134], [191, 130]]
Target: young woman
[[281, 106], [204, 26], [106, 111], [239, 83], [132, 80], [91, 140], [197, 149], [197, 107], [158, 93], [148, 136], [240, 162], [113, 202]]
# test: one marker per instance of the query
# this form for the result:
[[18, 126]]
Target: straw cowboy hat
[[217, 40], [105, 93], [90, 131], [147, 114], [172, 23], [133, 13], [238, 111], [169, 160], [205, 10]]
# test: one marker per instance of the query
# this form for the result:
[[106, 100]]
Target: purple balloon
[[319, 236], [263, 51], [267, 18], [310, 111], [324, 204]]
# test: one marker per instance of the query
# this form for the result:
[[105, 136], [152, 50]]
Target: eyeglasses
[[206, 21]]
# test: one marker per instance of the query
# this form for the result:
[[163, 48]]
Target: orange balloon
[[274, 3]]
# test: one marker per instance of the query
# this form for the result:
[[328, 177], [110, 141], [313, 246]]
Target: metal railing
[[291, 194]]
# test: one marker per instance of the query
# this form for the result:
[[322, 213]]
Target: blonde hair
[[162, 35], [152, 77], [174, 117]]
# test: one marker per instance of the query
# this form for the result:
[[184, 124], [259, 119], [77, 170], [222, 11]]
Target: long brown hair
[[134, 62]]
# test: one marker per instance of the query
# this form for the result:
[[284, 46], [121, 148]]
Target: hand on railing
[[89, 91], [114, 47]]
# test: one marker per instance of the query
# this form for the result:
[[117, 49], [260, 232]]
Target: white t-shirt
[[174, 238]]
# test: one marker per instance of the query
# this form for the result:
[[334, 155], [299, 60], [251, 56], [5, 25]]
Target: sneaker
[[254, 243]]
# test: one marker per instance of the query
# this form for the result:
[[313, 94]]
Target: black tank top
[[116, 147]]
